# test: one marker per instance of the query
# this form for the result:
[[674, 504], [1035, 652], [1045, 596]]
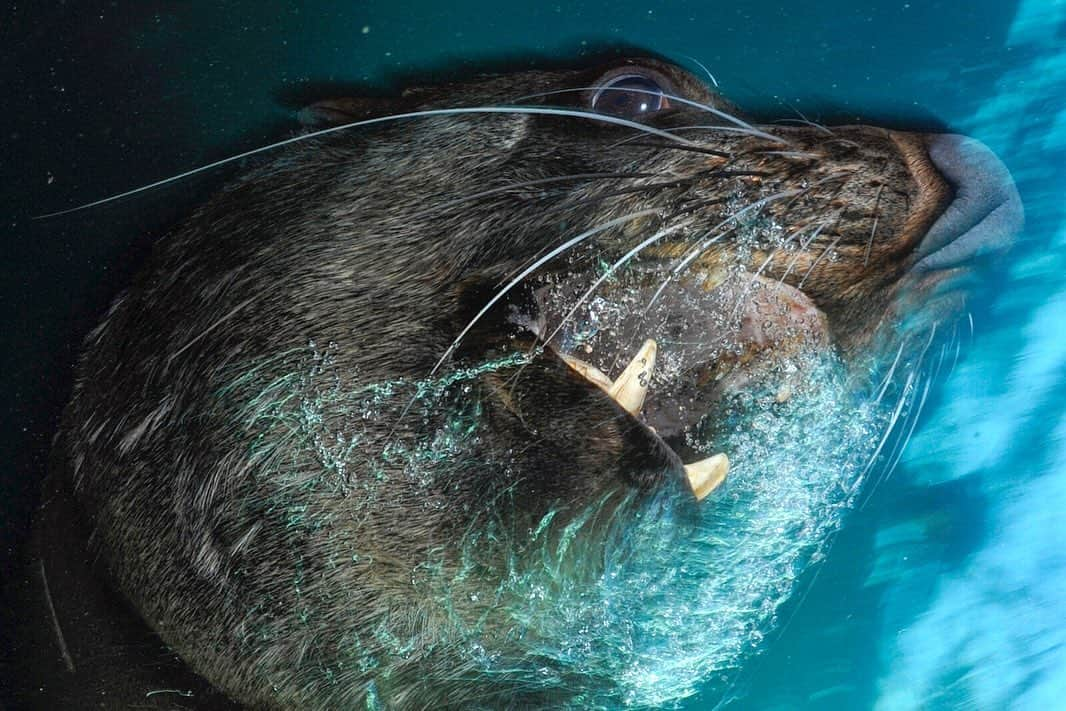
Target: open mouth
[[743, 373], [670, 357], [630, 390], [737, 374]]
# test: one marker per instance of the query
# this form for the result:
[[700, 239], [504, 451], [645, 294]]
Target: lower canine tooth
[[632, 385], [705, 476]]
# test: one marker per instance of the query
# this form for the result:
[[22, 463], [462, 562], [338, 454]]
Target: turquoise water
[[945, 590]]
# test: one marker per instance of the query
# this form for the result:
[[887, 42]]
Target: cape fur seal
[[392, 418]]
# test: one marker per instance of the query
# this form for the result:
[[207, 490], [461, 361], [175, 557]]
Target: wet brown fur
[[355, 242]]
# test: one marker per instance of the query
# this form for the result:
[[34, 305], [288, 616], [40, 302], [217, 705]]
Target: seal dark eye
[[630, 95]]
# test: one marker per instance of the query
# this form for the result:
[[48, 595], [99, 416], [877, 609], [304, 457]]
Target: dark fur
[[359, 243]]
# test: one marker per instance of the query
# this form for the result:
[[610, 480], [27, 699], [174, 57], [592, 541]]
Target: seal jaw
[[629, 391]]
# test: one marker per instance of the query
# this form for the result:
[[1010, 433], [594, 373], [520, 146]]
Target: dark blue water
[[946, 590]]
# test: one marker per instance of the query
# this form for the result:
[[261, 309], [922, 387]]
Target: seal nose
[[985, 216]]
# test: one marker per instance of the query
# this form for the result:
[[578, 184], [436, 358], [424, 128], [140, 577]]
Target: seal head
[[366, 388]]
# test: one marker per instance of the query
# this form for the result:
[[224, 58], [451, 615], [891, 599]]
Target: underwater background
[[945, 589]]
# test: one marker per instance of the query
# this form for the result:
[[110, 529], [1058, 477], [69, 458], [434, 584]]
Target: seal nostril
[[986, 214]]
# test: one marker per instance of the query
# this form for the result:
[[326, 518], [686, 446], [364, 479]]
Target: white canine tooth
[[706, 475], [632, 385], [588, 370]]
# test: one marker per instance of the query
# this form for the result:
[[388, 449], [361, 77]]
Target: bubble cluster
[[631, 601]]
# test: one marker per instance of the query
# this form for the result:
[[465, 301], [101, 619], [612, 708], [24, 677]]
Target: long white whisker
[[532, 268], [928, 342], [747, 127], [906, 392], [529, 110], [913, 416], [891, 371], [702, 66], [817, 261], [710, 241], [873, 230], [888, 432], [957, 342], [611, 269], [758, 273], [803, 246], [832, 220], [702, 247]]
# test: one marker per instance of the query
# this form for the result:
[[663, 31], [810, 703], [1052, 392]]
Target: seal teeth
[[631, 387], [706, 475], [589, 371]]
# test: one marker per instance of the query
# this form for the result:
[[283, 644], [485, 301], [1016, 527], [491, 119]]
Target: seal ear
[[348, 109]]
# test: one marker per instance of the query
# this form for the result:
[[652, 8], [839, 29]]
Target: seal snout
[[986, 213]]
